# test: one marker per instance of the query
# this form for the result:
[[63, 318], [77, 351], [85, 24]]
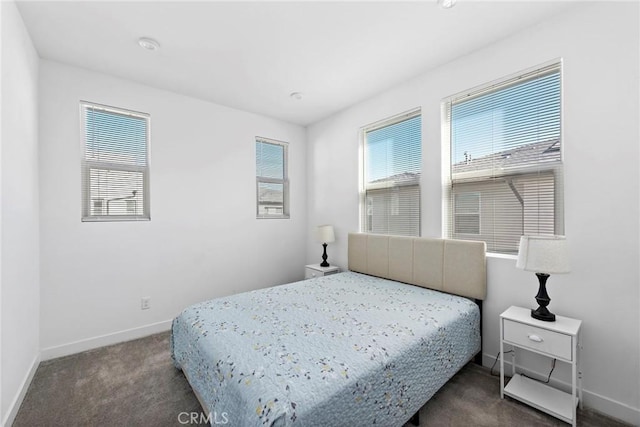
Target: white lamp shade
[[543, 254], [325, 234]]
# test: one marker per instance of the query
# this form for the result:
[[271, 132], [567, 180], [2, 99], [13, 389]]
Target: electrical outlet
[[145, 303]]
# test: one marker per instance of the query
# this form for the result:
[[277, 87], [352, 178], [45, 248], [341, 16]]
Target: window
[[115, 164], [272, 183], [505, 160], [467, 213], [391, 165]]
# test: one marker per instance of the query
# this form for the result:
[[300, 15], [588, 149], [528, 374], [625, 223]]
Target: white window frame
[[87, 165], [365, 206], [448, 227], [284, 182]]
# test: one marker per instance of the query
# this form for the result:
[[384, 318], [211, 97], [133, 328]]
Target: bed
[[369, 346]]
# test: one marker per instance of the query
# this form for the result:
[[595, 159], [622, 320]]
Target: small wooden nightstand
[[558, 340], [314, 270]]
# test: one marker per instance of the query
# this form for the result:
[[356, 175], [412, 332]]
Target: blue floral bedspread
[[340, 350]]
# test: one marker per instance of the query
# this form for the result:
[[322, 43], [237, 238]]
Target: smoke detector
[[148, 44]]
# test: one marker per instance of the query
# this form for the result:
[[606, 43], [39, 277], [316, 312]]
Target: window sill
[[116, 219], [273, 217], [502, 256]]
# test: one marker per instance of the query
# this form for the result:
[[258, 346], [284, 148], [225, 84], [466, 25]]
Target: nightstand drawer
[[316, 270], [310, 273], [554, 344]]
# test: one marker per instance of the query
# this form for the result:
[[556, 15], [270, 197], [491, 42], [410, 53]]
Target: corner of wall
[[14, 406], [19, 212]]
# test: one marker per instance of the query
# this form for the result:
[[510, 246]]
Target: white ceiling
[[252, 55]]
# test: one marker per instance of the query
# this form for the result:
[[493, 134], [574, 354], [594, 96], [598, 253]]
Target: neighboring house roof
[[405, 178], [545, 151], [270, 197]]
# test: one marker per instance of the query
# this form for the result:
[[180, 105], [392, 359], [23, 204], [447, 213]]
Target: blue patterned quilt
[[345, 349]]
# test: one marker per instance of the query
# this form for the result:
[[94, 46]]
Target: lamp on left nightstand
[[324, 235]]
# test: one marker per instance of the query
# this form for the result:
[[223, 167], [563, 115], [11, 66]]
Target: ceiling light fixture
[[447, 4], [148, 44], [296, 95]]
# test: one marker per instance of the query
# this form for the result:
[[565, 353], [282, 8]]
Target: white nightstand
[[314, 270], [558, 340]]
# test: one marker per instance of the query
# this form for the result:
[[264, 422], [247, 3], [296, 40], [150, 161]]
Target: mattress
[[345, 349]]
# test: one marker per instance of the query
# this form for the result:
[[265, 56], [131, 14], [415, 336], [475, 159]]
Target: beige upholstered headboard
[[452, 266]]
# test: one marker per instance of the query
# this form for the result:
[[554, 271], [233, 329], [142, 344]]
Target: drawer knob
[[535, 338]]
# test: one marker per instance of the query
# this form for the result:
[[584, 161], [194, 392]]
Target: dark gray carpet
[[135, 384]]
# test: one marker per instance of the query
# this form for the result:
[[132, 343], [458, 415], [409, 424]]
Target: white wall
[[203, 240], [19, 206], [599, 44]]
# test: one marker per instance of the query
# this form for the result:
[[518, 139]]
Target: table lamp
[[543, 255], [324, 235]]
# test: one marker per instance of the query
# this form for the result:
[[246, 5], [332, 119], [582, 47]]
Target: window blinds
[[115, 181], [506, 161], [390, 200], [272, 185]]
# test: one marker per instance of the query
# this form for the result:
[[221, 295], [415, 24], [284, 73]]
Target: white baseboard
[[612, 407], [592, 400], [17, 400], [104, 340]]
